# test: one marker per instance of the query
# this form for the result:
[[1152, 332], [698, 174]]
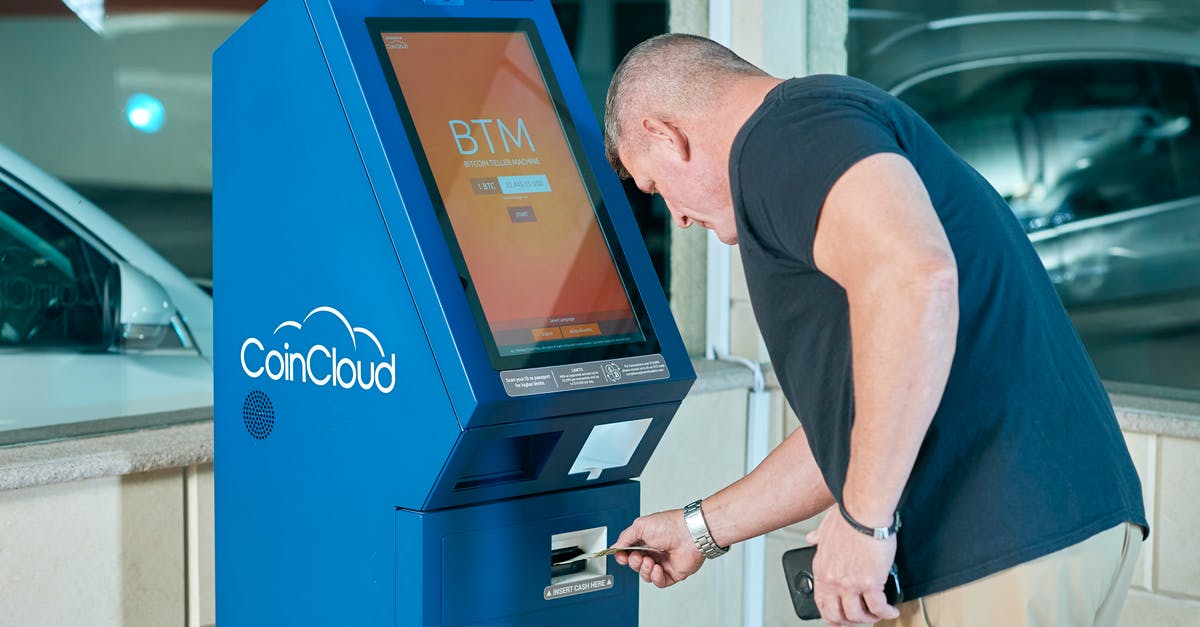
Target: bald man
[[950, 420]]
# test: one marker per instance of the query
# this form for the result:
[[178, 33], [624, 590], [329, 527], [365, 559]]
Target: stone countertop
[[113, 454], [189, 440], [1157, 415]]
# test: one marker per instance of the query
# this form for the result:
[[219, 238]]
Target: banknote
[[609, 551]]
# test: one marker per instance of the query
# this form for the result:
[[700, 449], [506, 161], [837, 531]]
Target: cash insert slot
[[563, 562], [572, 544]]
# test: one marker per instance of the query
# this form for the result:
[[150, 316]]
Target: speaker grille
[[258, 414]]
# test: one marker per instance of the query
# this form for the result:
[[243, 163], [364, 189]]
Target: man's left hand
[[849, 572]]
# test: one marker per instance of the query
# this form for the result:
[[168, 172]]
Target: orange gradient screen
[[512, 190]]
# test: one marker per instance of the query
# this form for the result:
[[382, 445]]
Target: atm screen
[[517, 204]]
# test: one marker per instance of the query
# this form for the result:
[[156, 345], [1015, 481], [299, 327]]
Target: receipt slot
[[442, 353]]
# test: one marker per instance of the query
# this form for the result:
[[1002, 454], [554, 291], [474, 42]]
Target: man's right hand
[[666, 530]]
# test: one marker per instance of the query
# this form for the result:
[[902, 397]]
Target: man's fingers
[[878, 606], [658, 577], [630, 558], [831, 608], [839, 614], [647, 568], [855, 610], [630, 537]]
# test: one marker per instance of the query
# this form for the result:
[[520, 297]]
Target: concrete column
[[786, 38], [688, 16], [688, 260], [826, 47]]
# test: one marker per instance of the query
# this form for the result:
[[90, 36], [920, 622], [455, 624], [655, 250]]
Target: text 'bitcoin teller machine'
[[442, 353]]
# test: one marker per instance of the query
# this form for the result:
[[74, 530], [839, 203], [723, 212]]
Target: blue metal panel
[[490, 564], [551, 467], [417, 559], [305, 513]]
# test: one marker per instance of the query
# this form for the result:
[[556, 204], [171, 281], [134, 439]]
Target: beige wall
[[1166, 584], [702, 452], [103, 552], [204, 550]]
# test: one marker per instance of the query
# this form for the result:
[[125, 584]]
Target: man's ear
[[664, 134]]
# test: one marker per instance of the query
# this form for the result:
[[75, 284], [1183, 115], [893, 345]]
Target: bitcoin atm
[[442, 353]]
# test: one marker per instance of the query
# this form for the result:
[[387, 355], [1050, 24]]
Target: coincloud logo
[[360, 363]]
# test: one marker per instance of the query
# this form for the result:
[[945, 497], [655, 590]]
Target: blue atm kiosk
[[442, 354]]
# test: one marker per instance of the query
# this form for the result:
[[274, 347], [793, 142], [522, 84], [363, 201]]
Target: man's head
[[672, 111]]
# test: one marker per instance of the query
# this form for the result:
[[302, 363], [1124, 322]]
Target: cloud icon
[[351, 330]]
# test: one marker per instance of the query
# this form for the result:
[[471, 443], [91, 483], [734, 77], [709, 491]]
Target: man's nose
[[681, 220]]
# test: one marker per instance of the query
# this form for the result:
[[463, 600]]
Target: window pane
[[51, 282], [1089, 125]]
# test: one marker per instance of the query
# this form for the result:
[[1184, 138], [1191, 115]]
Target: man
[[938, 380]]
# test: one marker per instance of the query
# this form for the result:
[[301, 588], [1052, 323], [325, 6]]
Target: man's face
[[695, 189]]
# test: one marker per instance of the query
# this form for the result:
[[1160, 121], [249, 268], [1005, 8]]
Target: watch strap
[[693, 516]]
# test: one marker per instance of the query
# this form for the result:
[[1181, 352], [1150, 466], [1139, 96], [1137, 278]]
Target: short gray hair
[[673, 74]]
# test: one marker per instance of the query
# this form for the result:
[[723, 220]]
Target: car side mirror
[[1159, 130], [141, 311]]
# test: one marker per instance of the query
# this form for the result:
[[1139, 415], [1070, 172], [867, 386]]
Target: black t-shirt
[[1024, 455]]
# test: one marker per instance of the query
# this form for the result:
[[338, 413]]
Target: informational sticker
[[592, 374], [582, 586]]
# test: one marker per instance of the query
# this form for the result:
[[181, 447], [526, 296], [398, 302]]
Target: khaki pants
[[1082, 585]]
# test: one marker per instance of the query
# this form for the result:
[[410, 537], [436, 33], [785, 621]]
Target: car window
[[982, 113], [1178, 126], [1068, 141], [51, 281]]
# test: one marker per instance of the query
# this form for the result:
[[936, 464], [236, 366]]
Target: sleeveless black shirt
[[1024, 455]]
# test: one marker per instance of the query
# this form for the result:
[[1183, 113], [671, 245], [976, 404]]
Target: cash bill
[[609, 551]]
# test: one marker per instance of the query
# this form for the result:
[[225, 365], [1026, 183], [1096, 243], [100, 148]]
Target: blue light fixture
[[145, 112]]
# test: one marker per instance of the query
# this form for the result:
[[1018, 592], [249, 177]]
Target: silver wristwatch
[[694, 518]]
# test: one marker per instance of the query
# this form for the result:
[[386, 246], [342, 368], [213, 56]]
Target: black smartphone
[[797, 569]]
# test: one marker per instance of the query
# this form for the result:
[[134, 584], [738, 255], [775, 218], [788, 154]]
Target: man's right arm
[[785, 488]]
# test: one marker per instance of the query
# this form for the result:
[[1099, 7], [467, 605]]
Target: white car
[[97, 331]]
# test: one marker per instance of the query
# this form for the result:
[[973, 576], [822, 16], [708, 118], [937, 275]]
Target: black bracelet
[[879, 533]]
